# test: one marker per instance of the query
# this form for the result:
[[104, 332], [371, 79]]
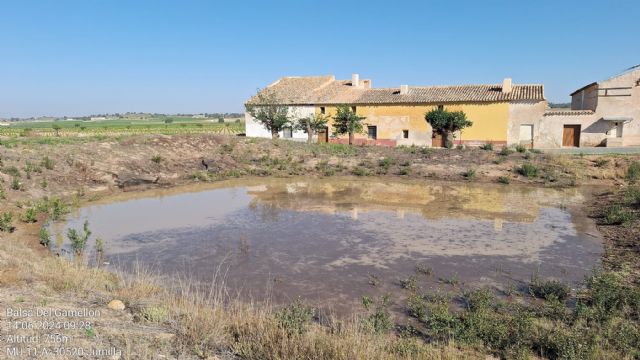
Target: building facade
[[396, 116], [605, 113]]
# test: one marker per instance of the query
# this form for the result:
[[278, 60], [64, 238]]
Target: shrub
[[601, 162], [469, 174], [16, 184], [379, 319], [157, 159], [155, 314], [6, 222], [45, 238], [30, 215], [616, 214], [3, 194], [548, 289], [487, 146], [360, 171], [520, 148], [500, 159], [633, 172], [57, 209], [11, 170], [295, 318], [79, 240], [504, 180], [47, 163], [528, 169], [631, 195], [505, 151], [404, 171]]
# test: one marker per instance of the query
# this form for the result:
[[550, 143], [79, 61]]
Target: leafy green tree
[[447, 122], [56, 128], [347, 122], [268, 112], [311, 125]]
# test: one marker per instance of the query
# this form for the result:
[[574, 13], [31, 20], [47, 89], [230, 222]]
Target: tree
[[266, 110], [56, 128], [311, 125], [347, 122], [447, 122]]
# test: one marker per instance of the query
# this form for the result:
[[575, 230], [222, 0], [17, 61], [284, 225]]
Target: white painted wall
[[255, 129], [525, 113]]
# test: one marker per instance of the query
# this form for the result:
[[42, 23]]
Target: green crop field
[[158, 125]]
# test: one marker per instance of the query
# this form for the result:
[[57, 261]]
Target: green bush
[[295, 317], [47, 163], [157, 159], [79, 240], [470, 174], [30, 215], [616, 214], [520, 148], [360, 171], [632, 195], [487, 146], [16, 184], [11, 170], [633, 172], [505, 151], [379, 319], [528, 169], [45, 238], [6, 222], [549, 289], [601, 162], [504, 180]]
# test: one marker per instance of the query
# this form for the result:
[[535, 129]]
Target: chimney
[[355, 80], [506, 85], [366, 83], [404, 89]]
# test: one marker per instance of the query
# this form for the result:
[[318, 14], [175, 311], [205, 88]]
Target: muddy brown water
[[333, 241]]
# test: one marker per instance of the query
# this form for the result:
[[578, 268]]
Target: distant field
[[175, 125]]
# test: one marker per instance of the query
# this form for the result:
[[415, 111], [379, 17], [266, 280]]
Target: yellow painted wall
[[490, 121]]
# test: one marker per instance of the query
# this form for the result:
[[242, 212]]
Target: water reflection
[[322, 239]]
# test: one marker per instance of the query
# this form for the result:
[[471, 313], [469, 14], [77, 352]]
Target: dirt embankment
[[160, 325]]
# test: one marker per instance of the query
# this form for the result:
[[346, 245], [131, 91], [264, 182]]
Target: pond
[[333, 241]]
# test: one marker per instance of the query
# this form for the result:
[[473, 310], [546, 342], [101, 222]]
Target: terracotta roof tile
[[325, 90], [566, 112]]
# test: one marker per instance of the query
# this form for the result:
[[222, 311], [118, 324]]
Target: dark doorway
[[372, 132]]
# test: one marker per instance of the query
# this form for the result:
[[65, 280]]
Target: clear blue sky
[[89, 56]]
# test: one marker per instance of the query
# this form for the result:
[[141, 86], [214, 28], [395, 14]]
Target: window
[[287, 133], [440, 107], [405, 134], [353, 108], [372, 132], [323, 110]]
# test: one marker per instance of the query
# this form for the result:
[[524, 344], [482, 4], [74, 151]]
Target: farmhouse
[[601, 114], [395, 116], [605, 113]]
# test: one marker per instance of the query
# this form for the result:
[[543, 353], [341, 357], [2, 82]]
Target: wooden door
[[437, 140], [323, 136], [571, 135]]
